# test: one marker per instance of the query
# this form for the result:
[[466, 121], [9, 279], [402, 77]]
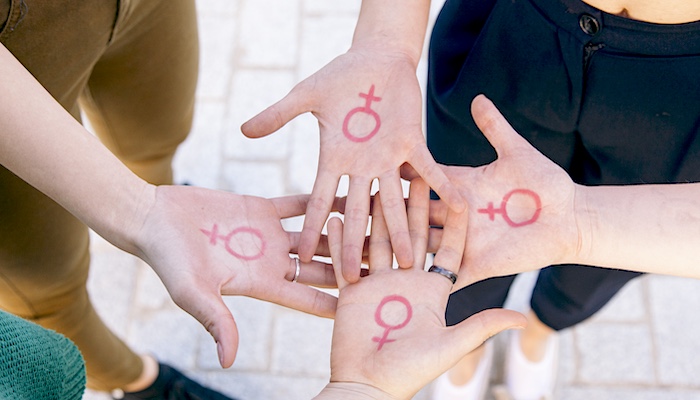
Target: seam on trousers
[[19, 294], [23, 10]]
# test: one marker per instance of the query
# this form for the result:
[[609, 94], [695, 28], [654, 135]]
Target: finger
[[291, 206], [339, 204], [380, 253], [303, 298], [278, 114], [434, 239], [408, 172], [418, 216], [454, 235], [316, 213], [315, 273], [295, 205], [209, 309], [431, 172], [438, 212], [322, 250], [494, 126], [335, 243], [356, 220], [394, 207], [475, 330]]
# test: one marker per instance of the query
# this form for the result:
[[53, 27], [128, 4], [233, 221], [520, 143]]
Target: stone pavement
[[643, 345]]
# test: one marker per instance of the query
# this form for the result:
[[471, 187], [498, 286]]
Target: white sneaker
[[527, 380], [475, 389]]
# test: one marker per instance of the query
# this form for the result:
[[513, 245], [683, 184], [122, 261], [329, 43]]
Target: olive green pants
[[131, 67]]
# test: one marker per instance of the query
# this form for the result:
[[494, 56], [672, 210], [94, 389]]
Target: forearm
[[42, 144], [394, 26], [646, 228], [351, 391]]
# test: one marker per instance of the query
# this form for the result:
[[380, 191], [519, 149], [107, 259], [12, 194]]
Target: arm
[[42, 144], [550, 220], [202, 243], [390, 338], [368, 104], [645, 228]]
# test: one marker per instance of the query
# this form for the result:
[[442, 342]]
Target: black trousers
[[611, 100]]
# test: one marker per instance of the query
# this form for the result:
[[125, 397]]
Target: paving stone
[[626, 393], [254, 319], [170, 335], [269, 33], [254, 178], [673, 303], [314, 8], [217, 35], [251, 93], [302, 345], [254, 386], [151, 294], [198, 160], [111, 284], [628, 305], [619, 353], [303, 159], [322, 40]]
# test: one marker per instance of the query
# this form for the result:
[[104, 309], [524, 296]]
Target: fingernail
[[220, 351]]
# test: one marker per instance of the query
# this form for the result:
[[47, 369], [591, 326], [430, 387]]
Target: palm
[[521, 205], [205, 243], [358, 343], [369, 110]]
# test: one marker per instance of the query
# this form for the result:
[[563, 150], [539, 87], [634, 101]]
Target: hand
[[204, 244], [521, 206], [390, 338], [368, 104]]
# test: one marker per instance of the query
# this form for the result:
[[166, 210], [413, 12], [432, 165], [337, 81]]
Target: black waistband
[[621, 33]]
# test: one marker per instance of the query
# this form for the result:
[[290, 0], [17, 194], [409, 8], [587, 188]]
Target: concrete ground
[[642, 346]]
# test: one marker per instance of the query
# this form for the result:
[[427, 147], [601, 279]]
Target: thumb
[[472, 332], [494, 126], [277, 115], [211, 311]]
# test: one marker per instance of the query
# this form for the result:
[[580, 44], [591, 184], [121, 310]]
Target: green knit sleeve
[[37, 363]]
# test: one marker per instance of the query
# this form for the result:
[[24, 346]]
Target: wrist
[[585, 215], [141, 201], [393, 27], [352, 391]]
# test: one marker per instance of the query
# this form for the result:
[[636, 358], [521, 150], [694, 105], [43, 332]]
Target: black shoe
[[171, 384]]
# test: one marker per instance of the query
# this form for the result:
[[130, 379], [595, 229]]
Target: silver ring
[[296, 273], [444, 272]]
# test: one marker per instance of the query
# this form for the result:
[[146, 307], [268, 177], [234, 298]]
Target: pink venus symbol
[[491, 211], [388, 328], [214, 238], [367, 109]]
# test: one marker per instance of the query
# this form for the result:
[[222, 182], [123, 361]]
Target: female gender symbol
[[367, 109], [388, 328], [214, 240], [503, 211]]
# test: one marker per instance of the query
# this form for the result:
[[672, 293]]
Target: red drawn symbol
[[252, 235], [504, 211], [388, 328], [367, 109]]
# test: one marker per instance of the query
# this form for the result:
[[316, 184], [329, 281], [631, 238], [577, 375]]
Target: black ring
[[444, 272]]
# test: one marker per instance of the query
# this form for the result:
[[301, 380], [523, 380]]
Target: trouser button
[[589, 24]]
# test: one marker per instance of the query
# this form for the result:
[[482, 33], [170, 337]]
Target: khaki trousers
[[131, 67]]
